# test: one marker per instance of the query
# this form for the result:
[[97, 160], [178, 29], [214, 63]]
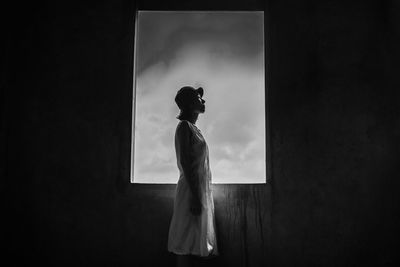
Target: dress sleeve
[[186, 155]]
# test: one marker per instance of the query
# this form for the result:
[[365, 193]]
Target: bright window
[[223, 52]]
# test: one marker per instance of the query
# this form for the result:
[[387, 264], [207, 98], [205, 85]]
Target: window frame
[[267, 84]]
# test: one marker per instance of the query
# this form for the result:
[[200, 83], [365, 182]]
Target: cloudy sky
[[223, 52]]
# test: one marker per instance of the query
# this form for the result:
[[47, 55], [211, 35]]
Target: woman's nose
[[203, 101]]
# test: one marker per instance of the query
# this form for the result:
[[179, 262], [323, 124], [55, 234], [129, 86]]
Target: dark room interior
[[332, 123]]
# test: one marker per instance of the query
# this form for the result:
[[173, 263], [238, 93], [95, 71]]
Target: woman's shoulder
[[185, 123], [185, 127]]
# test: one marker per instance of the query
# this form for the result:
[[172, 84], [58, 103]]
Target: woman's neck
[[190, 116]]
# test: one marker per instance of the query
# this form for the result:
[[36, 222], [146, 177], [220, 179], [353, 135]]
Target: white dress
[[190, 234]]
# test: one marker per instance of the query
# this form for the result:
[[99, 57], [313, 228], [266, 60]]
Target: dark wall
[[335, 119], [333, 115]]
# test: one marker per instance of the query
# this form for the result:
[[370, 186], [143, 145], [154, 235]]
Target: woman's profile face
[[198, 105]]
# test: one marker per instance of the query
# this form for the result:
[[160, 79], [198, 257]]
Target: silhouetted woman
[[192, 228]]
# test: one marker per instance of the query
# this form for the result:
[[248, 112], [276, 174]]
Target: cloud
[[162, 34]]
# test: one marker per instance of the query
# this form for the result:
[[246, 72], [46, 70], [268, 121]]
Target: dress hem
[[209, 256]]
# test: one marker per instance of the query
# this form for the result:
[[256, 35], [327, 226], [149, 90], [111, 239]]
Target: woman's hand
[[196, 207]]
